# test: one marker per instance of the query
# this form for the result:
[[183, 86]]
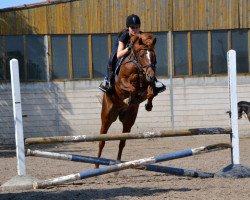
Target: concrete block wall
[[73, 108]]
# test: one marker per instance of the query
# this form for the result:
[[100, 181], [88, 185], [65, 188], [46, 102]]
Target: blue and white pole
[[105, 161], [130, 164], [75, 158]]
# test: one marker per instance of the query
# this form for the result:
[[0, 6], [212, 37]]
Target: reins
[[140, 67], [135, 61]]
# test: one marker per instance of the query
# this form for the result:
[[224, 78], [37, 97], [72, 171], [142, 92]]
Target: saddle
[[116, 63]]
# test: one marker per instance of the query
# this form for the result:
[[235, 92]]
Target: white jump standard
[[235, 169], [22, 180]]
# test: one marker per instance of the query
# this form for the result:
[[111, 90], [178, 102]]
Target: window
[[219, 52], [29, 50], [80, 56], [240, 45], [100, 55], [35, 57], [180, 53], [161, 54], [1, 60], [14, 48], [199, 52], [114, 37], [60, 61]]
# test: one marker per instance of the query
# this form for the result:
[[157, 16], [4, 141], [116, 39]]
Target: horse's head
[[143, 49], [243, 106]]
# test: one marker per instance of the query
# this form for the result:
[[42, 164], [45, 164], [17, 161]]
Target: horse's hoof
[[127, 101], [96, 167], [148, 107]]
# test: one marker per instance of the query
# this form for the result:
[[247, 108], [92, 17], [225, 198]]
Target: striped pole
[[126, 136], [105, 161], [130, 164], [75, 158]]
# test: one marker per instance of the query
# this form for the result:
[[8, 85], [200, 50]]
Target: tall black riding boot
[[107, 86]]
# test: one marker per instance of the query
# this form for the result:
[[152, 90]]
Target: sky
[[12, 3]]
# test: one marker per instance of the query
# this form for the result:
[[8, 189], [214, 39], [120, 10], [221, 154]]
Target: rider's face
[[134, 30]]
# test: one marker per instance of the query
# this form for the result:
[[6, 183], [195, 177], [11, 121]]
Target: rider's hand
[[130, 46]]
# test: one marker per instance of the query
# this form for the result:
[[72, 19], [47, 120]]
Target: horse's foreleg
[[150, 96], [149, 105], [121, 147], [127, 86]]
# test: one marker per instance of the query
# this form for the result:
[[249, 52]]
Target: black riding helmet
[[133, 20]]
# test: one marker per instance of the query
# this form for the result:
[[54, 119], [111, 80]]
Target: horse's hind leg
[[127, 117], [108, 116]]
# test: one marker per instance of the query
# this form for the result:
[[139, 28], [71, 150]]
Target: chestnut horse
[[133, 85]]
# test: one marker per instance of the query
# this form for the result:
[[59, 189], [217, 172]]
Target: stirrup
[[102, 88], [107, 88]]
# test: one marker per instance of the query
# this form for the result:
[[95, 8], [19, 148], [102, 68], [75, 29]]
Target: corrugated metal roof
[[42, 3]]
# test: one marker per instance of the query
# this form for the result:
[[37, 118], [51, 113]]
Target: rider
[[121, 49]]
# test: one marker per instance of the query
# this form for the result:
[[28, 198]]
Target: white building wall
[[73, 108]]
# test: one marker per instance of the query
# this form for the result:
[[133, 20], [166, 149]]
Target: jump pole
[[155, 168], [105, 161], [126, 136], [235, 169], [126, 165]]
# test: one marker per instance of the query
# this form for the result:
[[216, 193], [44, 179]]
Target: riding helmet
[[133, 20]]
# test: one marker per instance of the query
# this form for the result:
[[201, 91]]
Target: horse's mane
[[143, 40]]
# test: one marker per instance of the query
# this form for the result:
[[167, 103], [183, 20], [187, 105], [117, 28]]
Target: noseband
[[134, 59]]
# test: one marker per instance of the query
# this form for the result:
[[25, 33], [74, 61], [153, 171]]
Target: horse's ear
[[154, 41], [134, 38], [140, 41]]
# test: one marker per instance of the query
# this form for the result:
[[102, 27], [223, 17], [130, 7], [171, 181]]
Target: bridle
[[135, 60], [141, 68]]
